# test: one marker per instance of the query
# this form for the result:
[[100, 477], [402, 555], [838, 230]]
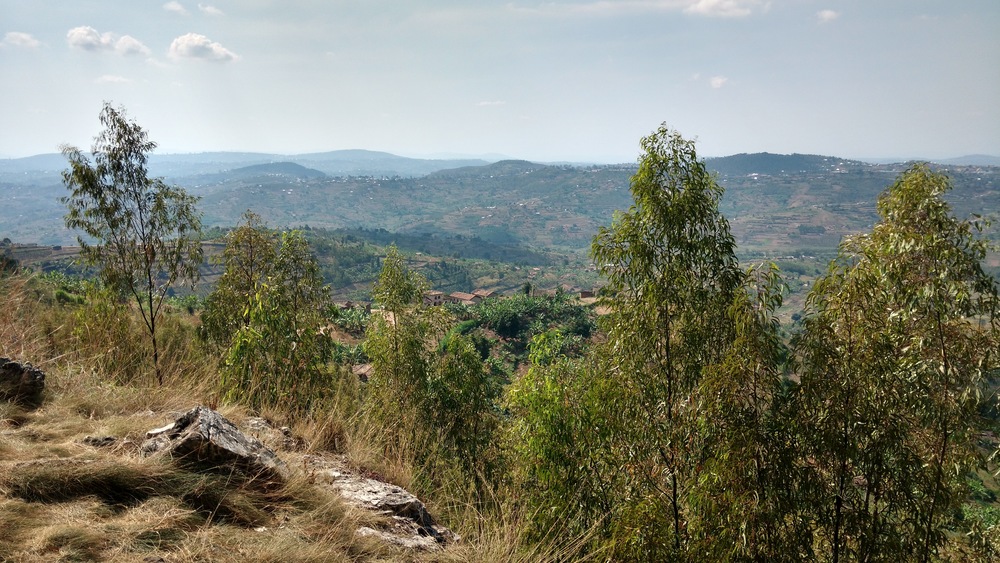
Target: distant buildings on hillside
[[434, 297]]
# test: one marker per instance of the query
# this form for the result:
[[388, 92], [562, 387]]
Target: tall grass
[[28, 328], [60, 499]]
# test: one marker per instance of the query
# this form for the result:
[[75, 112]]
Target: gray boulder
[[410, 524], [21, 383], [204, 437]]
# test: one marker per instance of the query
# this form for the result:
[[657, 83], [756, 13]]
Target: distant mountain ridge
[[357, 162], [775, 203], [972, 160], [288, 170], [332, 163], [774, 164], [499, 168]]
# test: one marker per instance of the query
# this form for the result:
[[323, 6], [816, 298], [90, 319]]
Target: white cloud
[[710, 8], [726, 8], [605, 6], [484, 104], [175, 7], [210, 10], [718, 81], [129, 45], [20, 39], [88, 39], [826, 16], [196, 46], [112, 79]]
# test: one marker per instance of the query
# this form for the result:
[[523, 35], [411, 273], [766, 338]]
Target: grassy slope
[[61, 499]]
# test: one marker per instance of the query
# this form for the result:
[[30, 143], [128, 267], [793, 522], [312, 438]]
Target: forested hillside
[[675, 417], [786, 204]]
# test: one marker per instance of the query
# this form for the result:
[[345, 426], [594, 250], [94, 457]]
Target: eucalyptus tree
[[434, 401], [463, 393], [400, 342], [671, 273], [561, 436], [744, 504], [141, 233], [397, 336], [900, 336], [248, 260], [277, 355]]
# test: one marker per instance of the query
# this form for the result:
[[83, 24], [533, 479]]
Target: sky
[[559, 80]]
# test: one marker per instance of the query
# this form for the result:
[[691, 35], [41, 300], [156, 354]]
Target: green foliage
[[297, 272], [189, 303], [248, 259], [347, 355], [276, 360], [141, 233], [899, 338], [277, 356], [546, 348], [462, 396], [105, 332], [987, 516], [397, 287], [979, 492], [67, 290], [62, 296], [681, 437], [523, 316], [557, 431], [740, 501], [352, 320], [401, 352], [672, 273], [434, 402]]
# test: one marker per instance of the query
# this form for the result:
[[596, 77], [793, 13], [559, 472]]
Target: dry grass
[[64, 500]]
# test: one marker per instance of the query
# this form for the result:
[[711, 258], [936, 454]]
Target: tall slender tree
[[278, 353], [400, 344], [248, 260], [743, 502], [141, 233], [899, 338], [672, 271]]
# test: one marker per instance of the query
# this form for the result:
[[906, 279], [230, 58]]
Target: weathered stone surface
[[21, 383], [204, 436], [99, 441], [410, 525], [274, 438]]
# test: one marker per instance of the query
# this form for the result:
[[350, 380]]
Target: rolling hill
[[787, 204]]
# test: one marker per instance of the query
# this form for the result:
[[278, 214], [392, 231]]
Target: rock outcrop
[[410, 525], [205, 437], [21, 382]]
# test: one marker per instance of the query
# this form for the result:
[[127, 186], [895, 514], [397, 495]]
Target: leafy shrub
[[352, 320], [523, 316]]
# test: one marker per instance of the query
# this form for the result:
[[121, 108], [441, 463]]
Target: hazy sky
[[541, 80]]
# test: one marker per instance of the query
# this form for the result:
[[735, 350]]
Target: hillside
[[787, 204], [289, 171], [780, 164], [496, 410], [81, 477], [334, 163], [535, 422]]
